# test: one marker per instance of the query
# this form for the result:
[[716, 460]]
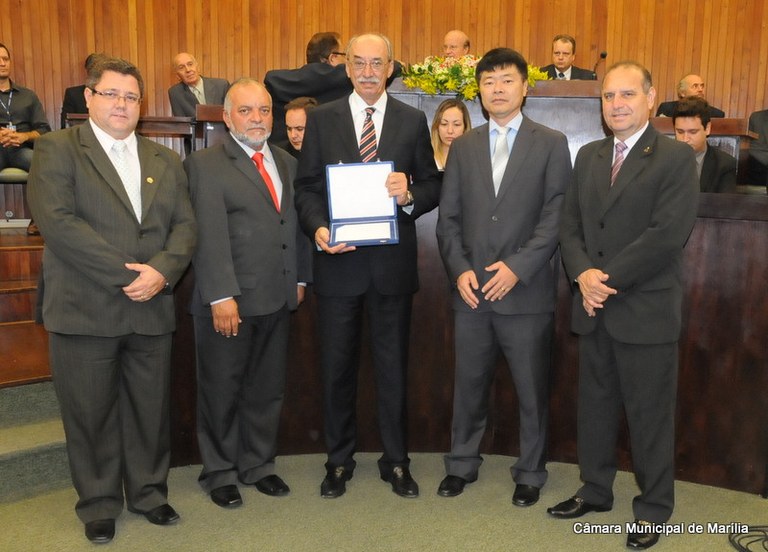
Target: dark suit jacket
[[246, 249], [90, 231], [74, 102], [519, 226], [183, 101], [330, 138], [321, 81], [718, 172], [633, 231], [577, 73], [667, 109], [758, 149]]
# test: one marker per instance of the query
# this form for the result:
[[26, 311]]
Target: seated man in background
[[74, 96], [22, 119], [689, 85], [192, 88], [455, 44], [296, 121], [717, 169], [758, 149], [563, 54]]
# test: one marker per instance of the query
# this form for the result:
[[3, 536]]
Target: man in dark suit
[[382, 278], [296, 122], [74, 96], [562, 67], [247, 271], [192, 88], [627, 215], [758, 149], [499, 210], [119, 232], [716, 169], [689, 85]]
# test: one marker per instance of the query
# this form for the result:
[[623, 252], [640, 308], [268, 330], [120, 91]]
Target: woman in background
[[451, 121]]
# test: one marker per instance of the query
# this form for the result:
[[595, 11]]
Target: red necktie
[[258, 158]]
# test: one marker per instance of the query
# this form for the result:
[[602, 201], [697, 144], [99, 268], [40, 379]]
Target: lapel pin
[[150, 180], [647, 149]]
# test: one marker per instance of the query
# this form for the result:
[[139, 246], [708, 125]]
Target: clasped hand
[[495, 289]]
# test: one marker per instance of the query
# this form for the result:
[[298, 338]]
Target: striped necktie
[[618, 160], [368, 137]]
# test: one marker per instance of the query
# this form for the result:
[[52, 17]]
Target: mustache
[[371, 80]]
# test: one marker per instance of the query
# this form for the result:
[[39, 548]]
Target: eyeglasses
[[113, 96], [376, 65]]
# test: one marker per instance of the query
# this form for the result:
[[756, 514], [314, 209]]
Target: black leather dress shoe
[[335, 483], [227, 496], [643, 539], [100, 531], [272, 485], [451, 485], [402, 482], [162, 515], [525, 495], [575, 507]]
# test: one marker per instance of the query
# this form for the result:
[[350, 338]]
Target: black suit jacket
[[667, 109], [246, 249], [634, 231], [74, 102], [330, 138], [577, 73], [183, 101], [718, 172]]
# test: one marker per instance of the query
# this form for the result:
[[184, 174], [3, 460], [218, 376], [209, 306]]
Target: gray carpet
[[372, 518]]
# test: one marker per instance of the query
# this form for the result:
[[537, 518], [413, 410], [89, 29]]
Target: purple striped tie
[[368, 137], [618, 161]]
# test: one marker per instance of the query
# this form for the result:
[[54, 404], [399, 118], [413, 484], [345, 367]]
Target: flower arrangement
[[441, 75]]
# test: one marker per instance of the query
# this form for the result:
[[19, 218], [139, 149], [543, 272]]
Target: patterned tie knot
[[369, 112], [119, 146], [620, 147]]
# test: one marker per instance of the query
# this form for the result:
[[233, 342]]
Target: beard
[[254, 144]]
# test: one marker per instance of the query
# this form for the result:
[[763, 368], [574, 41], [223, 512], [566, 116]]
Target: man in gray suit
[[627, 215], [119, 232], [248, 266], [192, 88], [497, 231]]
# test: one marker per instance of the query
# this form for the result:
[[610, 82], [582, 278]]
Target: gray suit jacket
[[633, 231], [183, 101], [519, 226], [90, 231], [247, 249]]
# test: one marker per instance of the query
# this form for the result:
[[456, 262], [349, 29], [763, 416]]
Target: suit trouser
[[240, 390], [642, 379], [340, 329], [114, 399], [525, 340]]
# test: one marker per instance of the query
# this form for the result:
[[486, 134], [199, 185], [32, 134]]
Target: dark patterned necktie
[[368, 137], [618, 161]]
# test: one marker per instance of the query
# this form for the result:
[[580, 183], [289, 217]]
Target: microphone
[[603, 55]]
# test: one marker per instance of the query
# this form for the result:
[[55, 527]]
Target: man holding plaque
[[363, 127], [499, 211]]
